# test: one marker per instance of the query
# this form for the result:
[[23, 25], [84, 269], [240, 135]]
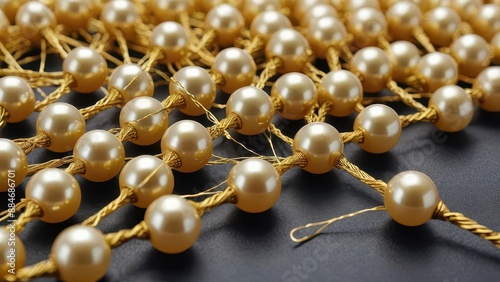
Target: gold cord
[[40, 140], [4, 116], [255, 45], [223, 197], [127, 133], [174, 100], [6, 214], [276, 131], [475, 93], [140, 231], [323, 109], [43, 268], [113, 98], [315, 74], [76, 167], [171, 158], [231, 121], [67, 82], [423, 39], [154, 55], [269, 71], [352, 169], [126, 196], [297, 159], [34, 168], [122, 44], [405, 96], [430, 115], [31, 211], [356, 136], [332, 58], [51, 37]]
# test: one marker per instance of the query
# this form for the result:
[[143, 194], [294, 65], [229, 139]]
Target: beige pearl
[[254, 108], [471, 53], [486, 22], [73, 14], [381, 128], [302, 6], [324, 33], [149, 178], [290, 47], [454, 107], [402, 18], [207, 5], [374, 68], [257, 185], [102, 154], [122, 15], [32, 17], [353, 5], [56, 192], [173, 223], [197, 82], [437, 69], [466, 8], [253, 7], [411, 198], [267, 23], [297, 94], [495, 45], [405, 57], [10, 242], [237, 68], [63, 124], [10, 7], [321, 144], [191, 142], [343, 89], [4, 27], [146, 116], [317, 12], [88, 68], [14, 164], [173, 39], [488, 82], [227, 22], [366, 24], [81, 254], [141, 82], [168, 10], [440, 24], [17, 97]]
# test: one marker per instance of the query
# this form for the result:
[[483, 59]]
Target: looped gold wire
[[153, 56], [315, 74], [323, 108], [219, 198], [40, 140], [4, 116], [122, 44]]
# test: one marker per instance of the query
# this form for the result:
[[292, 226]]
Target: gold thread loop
[[219, 198], [475, 93], [40, 140], [315, 74], [352, 169], [323, 109], [218, 79], [276, 131], [126, 196]]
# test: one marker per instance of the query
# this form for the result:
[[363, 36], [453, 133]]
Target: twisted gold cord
[[223, 197], [356, 136], [4, 116], [31, 211], [140, 231], [430, 114], [332, 58], [352, 169], [76, 167], [34, 168], [405, 96], [40, 140], [422, 38], [269, 71], [231, 121], [297, 159], [67, 82]]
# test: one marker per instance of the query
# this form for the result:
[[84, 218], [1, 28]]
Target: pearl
[[316, 12], [81, 253], [122, 15], [14, 161], [411, 198], [437, 69], [324, 33], [191, 142], [102, 154], [495, 45], [207, 5], [257, 185], [402, 18], [381, 128], [63, 124], [254, 108], [488, 82], [366, 24], [227, 22], [353, 5], [149, 130], [131, 81], [405, 57], [374, 68], [237, 68], [302, 6], [471, 53], [168, 10], [17, 97], [486, 22], [297, 94], [321, 144], [4, 27], [88, 68], [174, 224], [253, 7], [5, 252], [197, 82], [343, 89], [466, 8], [267, 23], [56, 192], [454, 107], [32, 17], [73, 14], [160, 180], [290, 47], [440, 24], [173, 39], [10, 7]]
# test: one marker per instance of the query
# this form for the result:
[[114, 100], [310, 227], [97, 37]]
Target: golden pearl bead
[[454, 107], [173, 223], [252, 8], [81, 254], [353, 5], [402, 18], [207, 5], [149, 129], [56, 192], [17, 97], [405, 57], [267, 23], [88, 68], [10, 242], [32, 17], [290, 47], [321, 144], [191, 142], [324, 33], [411, 198], [366, 24], [374, 68], [10, 7], [122, 15], [102, 154], [495, 45], [4, 27], [440, 24], [381, 128], [486, 22], [316, 12], [73, 14], [200, 86], [343, 89], [160, 180], [173, 39], [227, 22], [466, 8], [168, 10], [131, 81], [237, 68], [254, 108], [297, 94], [302, 6], [14, 164], [488, 82], [257, 185], [471, 53], [437, 69]]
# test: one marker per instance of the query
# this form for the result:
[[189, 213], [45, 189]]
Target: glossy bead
[[4, 26], [173, 39], [471, 53], [207, 5], [257, 185], [253, 7], [374, 67], [81, 254], [353, 5], [321, 144], [160, 180], [381, 128], [17, 97], [297, 94], [191, 141], [122, 15], [10, 242], [454, 107], [440, 24], [73, 14], [324, 33], [402, 18], [267, 23], [56, 192], [404, 57], [197, 82], [227, 22], [291, 47], [495, 45], [411, 198], [466, 8], [237, 68], [32, 17], [317, 12], [123, 75], [437, 69], [302, 6], [149, 130], [168, 10], [343, 89], [173, 223], [88, 68], [488, 82], [254, 108], [102, 154], [486, 22], [63, 124], [366, 24], [10, 7], [14, 164]]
